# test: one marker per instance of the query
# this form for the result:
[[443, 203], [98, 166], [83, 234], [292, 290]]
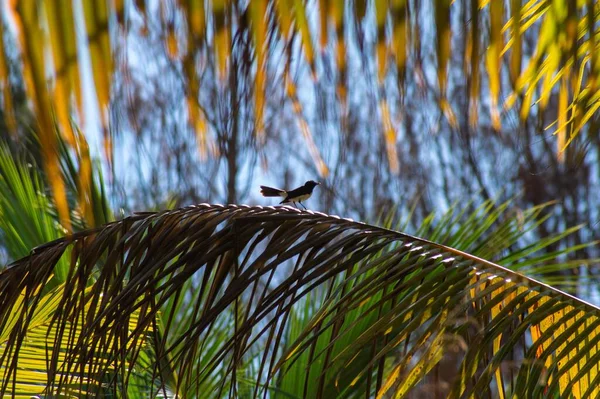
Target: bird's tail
[[271, 192]]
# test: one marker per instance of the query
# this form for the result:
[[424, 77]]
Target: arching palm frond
[[228, 301]]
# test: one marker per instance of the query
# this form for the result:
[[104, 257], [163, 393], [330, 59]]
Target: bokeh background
[[400, 108]]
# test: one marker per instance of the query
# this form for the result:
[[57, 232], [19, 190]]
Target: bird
[[298, 195]]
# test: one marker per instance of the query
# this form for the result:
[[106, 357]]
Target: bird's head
[[311, 184]]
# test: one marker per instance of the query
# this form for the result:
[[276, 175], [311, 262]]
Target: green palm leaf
[[254, 301]]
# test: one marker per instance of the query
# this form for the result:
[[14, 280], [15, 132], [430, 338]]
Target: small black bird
[[298, 195]]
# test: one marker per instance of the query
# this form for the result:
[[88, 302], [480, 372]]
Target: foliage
[[212, 301], [246, 301]]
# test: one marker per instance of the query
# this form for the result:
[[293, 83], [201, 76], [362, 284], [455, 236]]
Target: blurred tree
[[270, 49]]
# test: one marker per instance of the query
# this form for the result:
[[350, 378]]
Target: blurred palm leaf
[[28, 19], [297, 304]]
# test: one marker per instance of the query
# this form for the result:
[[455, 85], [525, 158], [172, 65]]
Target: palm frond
[[260, 301], [26, 212]]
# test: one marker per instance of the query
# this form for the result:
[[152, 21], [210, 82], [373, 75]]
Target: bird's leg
[[302, 205], [295, 204]]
